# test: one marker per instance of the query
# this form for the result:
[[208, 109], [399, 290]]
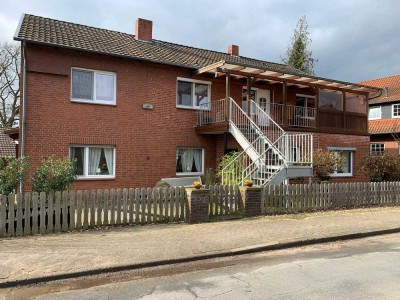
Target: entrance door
[[263, 100]]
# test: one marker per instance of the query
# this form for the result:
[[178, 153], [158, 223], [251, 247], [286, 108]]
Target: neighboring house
[[132, 109], [7, 145], [384, 115]]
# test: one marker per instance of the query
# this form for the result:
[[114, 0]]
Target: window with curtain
[[94, 161], [396, 110], [189, 160], [193, 94], [93, 86]]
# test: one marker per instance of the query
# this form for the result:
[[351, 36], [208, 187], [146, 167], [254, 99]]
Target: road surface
[[357, 269]]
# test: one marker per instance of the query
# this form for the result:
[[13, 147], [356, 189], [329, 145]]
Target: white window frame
[[379, 108], [376, 144], [202, 162], [86, 161], [193, 81], [352, 151], [393, 105], [94, 101]]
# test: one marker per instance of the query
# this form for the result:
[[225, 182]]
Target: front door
[[263, 100]]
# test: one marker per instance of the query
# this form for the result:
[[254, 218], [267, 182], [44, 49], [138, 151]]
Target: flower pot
[[197, 186]]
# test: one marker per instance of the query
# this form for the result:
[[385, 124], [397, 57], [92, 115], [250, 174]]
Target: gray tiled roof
[[7, 145], [65, 34]]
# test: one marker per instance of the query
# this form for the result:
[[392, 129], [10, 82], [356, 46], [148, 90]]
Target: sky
[[353, 40]]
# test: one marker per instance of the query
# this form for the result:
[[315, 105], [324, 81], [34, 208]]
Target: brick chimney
[[144, 30], [233, 50]]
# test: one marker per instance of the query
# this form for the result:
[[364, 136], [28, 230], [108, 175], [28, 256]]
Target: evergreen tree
[[298, 56]]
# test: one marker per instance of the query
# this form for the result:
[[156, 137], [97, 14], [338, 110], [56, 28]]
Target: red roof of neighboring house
[[392, 83], [7, 145], [384, 126]]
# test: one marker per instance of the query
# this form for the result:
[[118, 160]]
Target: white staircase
[[270, 154]]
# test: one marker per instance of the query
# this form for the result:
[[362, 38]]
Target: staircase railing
[[258, 145]]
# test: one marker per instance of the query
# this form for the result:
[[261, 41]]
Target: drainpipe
[[21, 185]]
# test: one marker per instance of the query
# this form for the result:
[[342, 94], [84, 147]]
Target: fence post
[[197, 205], [250, 201]]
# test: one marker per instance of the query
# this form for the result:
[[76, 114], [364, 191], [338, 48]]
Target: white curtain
[[108, 153], [104, 87], [187, 160], [198, 159], [82, 84], [94, 160]]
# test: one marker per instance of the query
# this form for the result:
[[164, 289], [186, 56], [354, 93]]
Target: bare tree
[[10, 61]]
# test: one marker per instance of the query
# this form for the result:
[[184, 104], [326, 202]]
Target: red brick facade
[[145, 140]]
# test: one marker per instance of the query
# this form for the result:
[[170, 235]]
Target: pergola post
[[248, 94], [284, 96], [228, 95]]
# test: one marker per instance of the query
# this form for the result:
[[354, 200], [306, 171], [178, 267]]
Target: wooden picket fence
[[282, 199], [224, 202], [34, 213]]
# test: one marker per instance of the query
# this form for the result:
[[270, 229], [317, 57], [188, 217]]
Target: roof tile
[[65, 34], [392, 83], [384, 126], [7, 145]]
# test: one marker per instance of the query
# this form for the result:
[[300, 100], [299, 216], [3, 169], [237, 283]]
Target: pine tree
[[298, 56]]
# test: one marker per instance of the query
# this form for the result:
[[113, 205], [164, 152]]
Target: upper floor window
[[193, 93], [329, 99], [356, 103], [93, 86], [396, 110], [375, 113]]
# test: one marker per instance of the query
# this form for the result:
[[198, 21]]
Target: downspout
[[21, 188]]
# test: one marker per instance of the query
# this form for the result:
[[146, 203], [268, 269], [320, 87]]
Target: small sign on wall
[[147, 106]]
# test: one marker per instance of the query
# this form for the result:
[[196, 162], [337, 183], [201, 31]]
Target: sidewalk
[[79, 253]]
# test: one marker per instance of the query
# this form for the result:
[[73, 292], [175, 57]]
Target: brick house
[[384, 115], [132, 109]]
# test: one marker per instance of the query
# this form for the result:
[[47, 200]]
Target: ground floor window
[[377, 148], [94, 161], [347, 167], [189, 161]]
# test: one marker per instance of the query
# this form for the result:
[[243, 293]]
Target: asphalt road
[[358, 269]]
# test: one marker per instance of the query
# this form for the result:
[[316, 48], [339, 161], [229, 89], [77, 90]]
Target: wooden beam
[[275, 74], [239, 68], [257, 71], [294, 81], [211, 67], [291, 77]]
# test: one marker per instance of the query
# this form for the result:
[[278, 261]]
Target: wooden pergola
[[255, 74]]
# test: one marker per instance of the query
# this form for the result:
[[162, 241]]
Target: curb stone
[[232, 252]]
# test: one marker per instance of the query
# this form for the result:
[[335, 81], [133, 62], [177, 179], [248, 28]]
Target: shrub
[[381, 167], [233, 171], [209, 177], [162, 184], [326, 162], [11, 171], [55, 174]]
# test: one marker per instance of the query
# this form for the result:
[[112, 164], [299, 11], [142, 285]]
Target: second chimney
[[144, 30], [233, 50]]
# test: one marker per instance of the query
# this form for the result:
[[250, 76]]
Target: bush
[[11, 171], [55, 174], [162, 184], [381, 167], [209, 177], [233, 173], [326, 162]]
